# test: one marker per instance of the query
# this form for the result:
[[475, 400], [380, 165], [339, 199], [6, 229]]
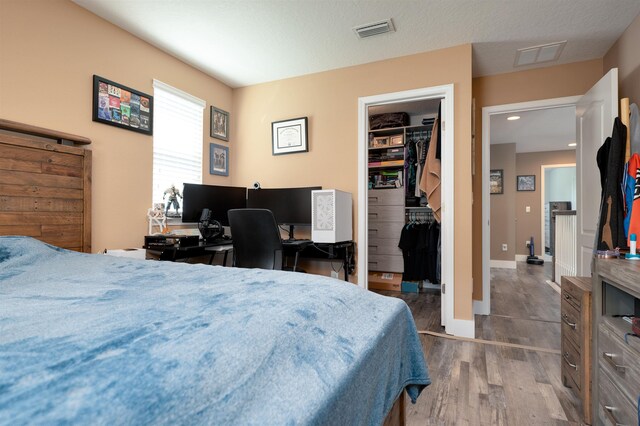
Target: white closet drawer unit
[[386, 197], [384, 246], [389, 230], [385, 214], [387, 262]]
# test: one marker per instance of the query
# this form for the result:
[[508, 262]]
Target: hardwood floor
[[475, 383]]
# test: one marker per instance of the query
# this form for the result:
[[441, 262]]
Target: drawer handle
[[566, 359], [373, 198], [565, 319], [373, 214], [567, 296], [609, 358], [608, 411]]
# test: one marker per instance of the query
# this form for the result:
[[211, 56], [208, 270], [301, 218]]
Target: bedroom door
[[595, 113]]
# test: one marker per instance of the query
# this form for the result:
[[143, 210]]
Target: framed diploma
[[289, 136]]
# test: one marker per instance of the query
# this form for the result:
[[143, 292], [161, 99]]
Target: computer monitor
[[218, 199], [290, 206]]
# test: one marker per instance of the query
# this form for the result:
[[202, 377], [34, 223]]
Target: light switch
[[528, 209]]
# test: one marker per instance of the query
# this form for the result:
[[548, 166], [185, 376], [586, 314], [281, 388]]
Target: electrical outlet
[[527, 243], [527, 209], [334, 274], [504, 247]]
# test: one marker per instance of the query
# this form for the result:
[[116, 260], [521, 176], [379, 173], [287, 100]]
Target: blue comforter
[[94, 339]]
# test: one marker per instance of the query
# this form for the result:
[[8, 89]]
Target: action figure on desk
[[173, 193]]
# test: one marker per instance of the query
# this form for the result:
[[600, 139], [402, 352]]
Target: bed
[[95, 339]]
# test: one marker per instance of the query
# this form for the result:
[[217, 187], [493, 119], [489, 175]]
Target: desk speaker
[[331, 216]]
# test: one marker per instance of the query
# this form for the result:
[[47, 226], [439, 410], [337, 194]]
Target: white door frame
[[447, 182], [543, 169], [483, 307]]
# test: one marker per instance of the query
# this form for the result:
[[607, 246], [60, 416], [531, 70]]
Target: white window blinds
[[177, 139]]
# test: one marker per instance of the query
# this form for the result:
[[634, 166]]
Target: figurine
[[174, 193]]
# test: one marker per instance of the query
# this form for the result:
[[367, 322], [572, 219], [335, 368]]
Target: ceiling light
[[539, 54], [573, 144], [513, 117], [374, 28]]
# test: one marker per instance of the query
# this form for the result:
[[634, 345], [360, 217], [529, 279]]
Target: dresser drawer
[[386, 214], [571, 293], [384, 246], [386, 229], [571, 363], [613, 407], [620, 361], [386, 262], [571, 324], [386, 197]]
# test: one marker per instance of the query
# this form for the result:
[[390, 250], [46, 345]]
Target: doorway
[[558, 192], [525, 208], [452, 326]]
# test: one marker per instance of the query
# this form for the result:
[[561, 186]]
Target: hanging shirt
[[430, 182], [632, 198]]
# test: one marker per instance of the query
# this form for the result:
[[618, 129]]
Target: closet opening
[[395, 214]]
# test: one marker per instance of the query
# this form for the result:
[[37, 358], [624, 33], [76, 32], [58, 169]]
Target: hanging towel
[[430, 182], [634, 128]]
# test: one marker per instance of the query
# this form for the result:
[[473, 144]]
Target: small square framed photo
[[527, 183], [218, 160], [219, 124], [496, 182]]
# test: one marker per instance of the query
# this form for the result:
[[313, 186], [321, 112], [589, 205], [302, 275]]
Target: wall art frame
[[121, 106]]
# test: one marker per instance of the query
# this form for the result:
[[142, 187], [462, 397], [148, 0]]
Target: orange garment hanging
[[430, 180]]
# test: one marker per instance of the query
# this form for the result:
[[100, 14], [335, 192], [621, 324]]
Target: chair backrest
[[256, 239]]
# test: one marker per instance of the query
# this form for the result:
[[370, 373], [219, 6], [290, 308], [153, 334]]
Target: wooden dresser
[[616, 384], [575, 312]]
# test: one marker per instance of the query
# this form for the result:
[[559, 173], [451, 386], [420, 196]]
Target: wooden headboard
[[45, 185]]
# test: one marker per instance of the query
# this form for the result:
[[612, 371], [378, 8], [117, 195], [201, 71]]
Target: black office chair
[[256, 239]]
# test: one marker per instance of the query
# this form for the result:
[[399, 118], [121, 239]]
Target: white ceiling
[[549, 129], [244, 42]]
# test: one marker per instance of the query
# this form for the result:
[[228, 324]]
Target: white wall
[[560, 185]]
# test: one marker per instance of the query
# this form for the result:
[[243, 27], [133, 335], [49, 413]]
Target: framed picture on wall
[[122, 106], [218, 160], [527, 183], [219, 124], [496, 182], [289, 136]]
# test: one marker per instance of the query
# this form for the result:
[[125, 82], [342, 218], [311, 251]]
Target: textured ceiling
[[549, 129], [244, 42]]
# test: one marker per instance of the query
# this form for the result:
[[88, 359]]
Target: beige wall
[[503, 221], [625, 55], [543, 83], [529, 224], [330, 100], [49, 51]]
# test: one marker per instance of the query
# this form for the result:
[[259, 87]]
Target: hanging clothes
[[410, 159], [632, 197], [421, 151], [611, 222], [419, 245]]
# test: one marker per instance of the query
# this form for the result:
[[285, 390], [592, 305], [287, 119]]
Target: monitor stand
[[291, 235]]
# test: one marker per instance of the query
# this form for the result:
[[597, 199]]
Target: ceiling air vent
[[374, 28], [539, 54]]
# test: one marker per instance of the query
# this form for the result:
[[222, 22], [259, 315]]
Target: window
[[177, 139]]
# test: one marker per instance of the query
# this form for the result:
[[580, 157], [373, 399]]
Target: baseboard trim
[[521, 257], [506, 264], [461, 328], [481, 307]]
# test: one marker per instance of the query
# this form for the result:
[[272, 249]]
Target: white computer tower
[[331, 216]]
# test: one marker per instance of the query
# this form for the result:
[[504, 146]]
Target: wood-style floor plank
[[484, 384]]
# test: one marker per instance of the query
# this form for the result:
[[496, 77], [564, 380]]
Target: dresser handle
[[609, 358], [566, 321], [373, 198], [566, 359], [567, 296], [608, 411]]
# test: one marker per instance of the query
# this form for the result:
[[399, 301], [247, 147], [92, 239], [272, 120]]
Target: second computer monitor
[[290, 206]]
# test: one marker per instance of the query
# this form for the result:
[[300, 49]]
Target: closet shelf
[[388, 131], [385, 147]]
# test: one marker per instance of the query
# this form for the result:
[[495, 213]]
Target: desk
[[343, 251], [184, 253]]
